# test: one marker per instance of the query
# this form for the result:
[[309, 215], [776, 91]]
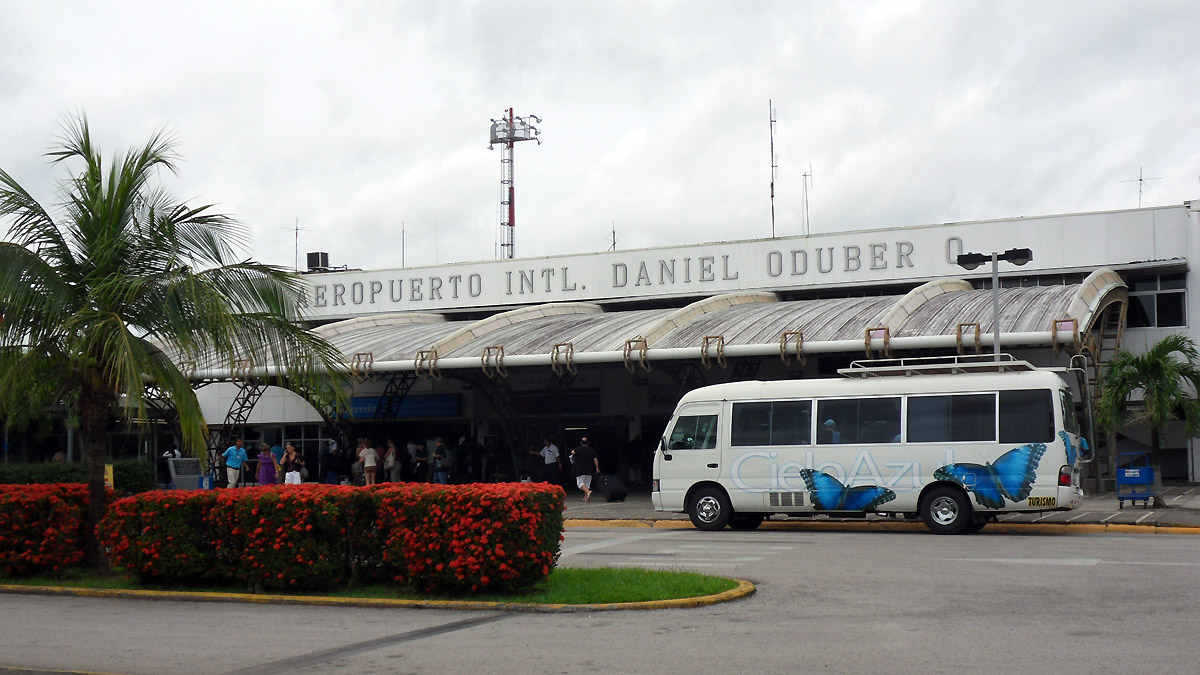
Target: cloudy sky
[[359, 119]]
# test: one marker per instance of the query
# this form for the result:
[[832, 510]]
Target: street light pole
[[970, 261], [995, 307]]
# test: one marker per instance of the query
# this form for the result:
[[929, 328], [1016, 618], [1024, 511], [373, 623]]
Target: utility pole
[[774, 162]]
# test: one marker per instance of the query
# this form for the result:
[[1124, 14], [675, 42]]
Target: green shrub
[[130, 476]]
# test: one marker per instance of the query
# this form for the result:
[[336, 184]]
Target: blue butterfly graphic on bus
[[829, 494], [1011, 475]]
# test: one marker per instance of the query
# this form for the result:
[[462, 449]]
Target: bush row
[[130, 476], [41, 527], [449, 539]]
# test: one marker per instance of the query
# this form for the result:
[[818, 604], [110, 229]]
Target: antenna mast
[[297, 230], [1139, 180], [774, 162], [507, 131]]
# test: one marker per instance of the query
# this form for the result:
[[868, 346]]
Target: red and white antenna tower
[[507, 131]]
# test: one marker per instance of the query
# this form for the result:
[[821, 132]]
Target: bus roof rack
[[937, 365]]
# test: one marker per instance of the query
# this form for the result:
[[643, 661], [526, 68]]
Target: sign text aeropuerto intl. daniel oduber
[[680, 271], [1077, 242]]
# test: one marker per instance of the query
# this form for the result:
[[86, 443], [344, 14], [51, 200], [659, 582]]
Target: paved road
[[827, 602], [1181, 508]]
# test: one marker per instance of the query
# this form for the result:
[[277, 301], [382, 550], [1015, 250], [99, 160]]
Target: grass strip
[[565, 585]]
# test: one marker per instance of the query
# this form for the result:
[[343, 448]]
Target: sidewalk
[[1182, 510]]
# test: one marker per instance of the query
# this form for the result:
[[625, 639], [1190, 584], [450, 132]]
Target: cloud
[[351, 119]]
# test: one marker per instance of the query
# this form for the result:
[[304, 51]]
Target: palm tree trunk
[[93, 417], [1156, 463]]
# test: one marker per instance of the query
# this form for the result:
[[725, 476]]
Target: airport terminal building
[[508, 352], [604, 344]]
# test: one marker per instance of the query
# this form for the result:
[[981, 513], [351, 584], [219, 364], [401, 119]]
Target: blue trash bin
[[206, 482]]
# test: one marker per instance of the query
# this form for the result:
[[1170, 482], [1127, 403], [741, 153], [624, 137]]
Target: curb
[[902, 526], [743, 589]]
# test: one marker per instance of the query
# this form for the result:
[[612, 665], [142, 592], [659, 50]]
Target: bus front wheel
[[710, 509], [946, 510]]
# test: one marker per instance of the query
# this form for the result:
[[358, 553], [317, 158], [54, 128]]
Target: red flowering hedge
[[443, 539], [317, 536], [162, 536], [41, 527]]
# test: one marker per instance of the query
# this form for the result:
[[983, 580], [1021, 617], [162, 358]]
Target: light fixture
[[970, 261]]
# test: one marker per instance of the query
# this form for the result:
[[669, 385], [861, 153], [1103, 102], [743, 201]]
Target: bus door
[[691, 453]]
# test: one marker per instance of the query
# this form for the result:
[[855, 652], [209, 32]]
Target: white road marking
[[1143, 562], [1072, 562], [1105, 520], [683, 560], [605, 543], [1077, 516], [1075, 562], [677, 564], [1148, 514]]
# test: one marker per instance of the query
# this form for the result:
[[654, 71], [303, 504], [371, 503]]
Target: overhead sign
[[1079, 241]]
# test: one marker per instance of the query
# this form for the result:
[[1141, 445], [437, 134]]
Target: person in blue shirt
[[277, 450], [831, 433], [235, 456]]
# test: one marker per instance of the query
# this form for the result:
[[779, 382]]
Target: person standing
[[551, 461], [235, 456], [439, 462], [421, 464], [584, 463], [277, 452], [267, 468], [369, 458], [335, 464], [291, 464]]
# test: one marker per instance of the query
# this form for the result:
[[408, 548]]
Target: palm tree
[[125, 285], [1168, 375]]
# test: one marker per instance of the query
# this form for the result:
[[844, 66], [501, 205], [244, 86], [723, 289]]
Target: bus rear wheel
[[946, 510], [710, 509]]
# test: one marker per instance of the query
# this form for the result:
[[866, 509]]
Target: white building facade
[[607, 342]]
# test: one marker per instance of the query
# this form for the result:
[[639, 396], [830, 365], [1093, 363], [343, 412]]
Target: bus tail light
[[1064, 476], [654, 485]]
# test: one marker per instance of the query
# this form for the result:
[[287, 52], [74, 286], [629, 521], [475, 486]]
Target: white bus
[[956, 444]]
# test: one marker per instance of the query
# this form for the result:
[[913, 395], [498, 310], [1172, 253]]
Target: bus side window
[[858, 420], [1026, 416], [751, 424], [694, 431]]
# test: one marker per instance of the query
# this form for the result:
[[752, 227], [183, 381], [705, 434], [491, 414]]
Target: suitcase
[[611, 488]]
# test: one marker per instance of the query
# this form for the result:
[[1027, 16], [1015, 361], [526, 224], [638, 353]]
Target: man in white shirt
[[551, 461]]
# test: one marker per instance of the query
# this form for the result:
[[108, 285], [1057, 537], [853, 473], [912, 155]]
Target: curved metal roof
[[1022, 310], [750, 320], [819, 320]]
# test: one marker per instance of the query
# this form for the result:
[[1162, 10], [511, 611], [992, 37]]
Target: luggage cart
[[1135, 480]]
